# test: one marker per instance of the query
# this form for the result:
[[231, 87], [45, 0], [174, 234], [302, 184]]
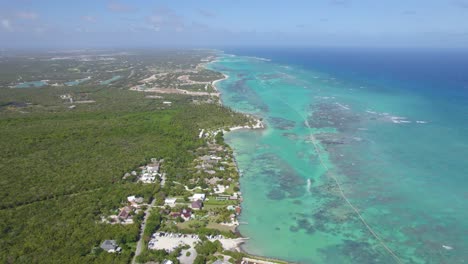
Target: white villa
[[220, 189], [148, 177], [198, 196], [170, 201]]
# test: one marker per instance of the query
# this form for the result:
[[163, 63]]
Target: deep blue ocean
[[365, 158]]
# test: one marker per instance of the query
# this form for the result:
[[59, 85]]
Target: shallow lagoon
[[406, 183], [33, 84], [113, 79], [77, 82]]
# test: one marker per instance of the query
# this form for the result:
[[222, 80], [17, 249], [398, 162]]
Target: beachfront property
[[220, 188], [110, 246]]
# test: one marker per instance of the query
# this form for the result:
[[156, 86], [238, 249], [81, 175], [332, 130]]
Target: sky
[[214, 23]]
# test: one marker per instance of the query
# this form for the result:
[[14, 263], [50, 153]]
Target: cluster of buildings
[[185, 214], [149, 173], [126, 213], [196, 203], [196, 200], [209, 164]]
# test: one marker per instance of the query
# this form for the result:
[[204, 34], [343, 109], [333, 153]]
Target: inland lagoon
[[77, 82], [361, 162], [33, 84], [109, 81]]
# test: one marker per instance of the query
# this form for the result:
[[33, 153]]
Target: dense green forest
[[62, 169]]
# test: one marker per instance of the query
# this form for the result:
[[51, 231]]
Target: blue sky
[[208, 23]]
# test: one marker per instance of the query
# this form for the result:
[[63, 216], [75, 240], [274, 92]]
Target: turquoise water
[[76, 82], [346, 173], [113, 79], [33, 84]]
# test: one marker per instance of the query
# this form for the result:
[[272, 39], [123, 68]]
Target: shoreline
[[259, 120], [259, 125]]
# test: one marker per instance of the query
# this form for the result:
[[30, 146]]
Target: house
[[125, 212], [186, 214], [166, 261], [170, 201], [198, 196], [148, 178], [153, 167], [110, 246], [135, 200], [238, 210], [197, 205], [215, 158], [220, 188]]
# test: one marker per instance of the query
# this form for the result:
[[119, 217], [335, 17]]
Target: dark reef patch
[[291, 136], [333, 115], [276, 194], [285, 180], [281, 123]]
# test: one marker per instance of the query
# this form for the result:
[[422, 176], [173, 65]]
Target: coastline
[[258, 125], [259, 120]]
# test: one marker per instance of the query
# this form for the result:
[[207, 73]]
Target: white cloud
[[27, 15], [6, 25]]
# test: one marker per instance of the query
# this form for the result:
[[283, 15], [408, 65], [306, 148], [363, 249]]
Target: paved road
[[140, 243]]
